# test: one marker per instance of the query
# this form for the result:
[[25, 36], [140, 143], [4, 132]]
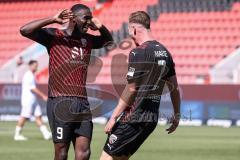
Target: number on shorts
[[59, 132]]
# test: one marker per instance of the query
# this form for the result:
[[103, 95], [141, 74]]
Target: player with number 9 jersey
[[69, 54]]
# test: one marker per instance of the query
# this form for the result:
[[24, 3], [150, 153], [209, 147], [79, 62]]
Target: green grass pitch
[[187, 143]]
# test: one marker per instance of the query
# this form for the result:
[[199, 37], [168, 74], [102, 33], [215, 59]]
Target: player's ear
[[135, 32]]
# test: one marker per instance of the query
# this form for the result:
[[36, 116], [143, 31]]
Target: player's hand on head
[[95, 24], [63, 16], [109, 126], [174, 124]]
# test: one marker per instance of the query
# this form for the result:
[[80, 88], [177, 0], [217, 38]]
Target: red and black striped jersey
[[68, 58]]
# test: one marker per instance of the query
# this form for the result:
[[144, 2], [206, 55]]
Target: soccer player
[[30, 104], [136, 115], [69, 52]]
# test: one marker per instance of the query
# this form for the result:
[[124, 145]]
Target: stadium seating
[[119, 11], [197, 40], [198, 33], [14, 15], [113, 17]]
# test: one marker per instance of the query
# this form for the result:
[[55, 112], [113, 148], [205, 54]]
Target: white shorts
[[31, 109]]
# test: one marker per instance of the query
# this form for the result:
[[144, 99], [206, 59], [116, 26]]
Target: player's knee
[[62, 155], [82, 154]]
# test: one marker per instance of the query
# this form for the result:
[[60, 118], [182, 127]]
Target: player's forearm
[[34, 25], [105, 34], [127, 98], [119, 109], [175, 95], [176, 100]]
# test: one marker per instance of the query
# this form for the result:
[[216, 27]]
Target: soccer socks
[[18, 136], [43, 129], [46, 134], [18, 130]]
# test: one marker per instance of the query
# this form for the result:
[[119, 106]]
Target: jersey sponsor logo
[[112, 139], [160, 53], [131, 71], [77, 52]]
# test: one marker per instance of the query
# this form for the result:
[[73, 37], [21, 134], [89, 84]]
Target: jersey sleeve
[[102, 40], [135, 63], [171, 67], [43, 36]]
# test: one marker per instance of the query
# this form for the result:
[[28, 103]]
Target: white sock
[[44, 130], [18, 130]]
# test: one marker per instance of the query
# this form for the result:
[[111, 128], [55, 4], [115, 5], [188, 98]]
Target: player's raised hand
[[95, 24], [174, 124], [109, 126], [63, 16]]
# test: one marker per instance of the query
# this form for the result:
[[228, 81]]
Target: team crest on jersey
[[65, 39], [112, 139], [131, 71], [84, 42], [161, 62]]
